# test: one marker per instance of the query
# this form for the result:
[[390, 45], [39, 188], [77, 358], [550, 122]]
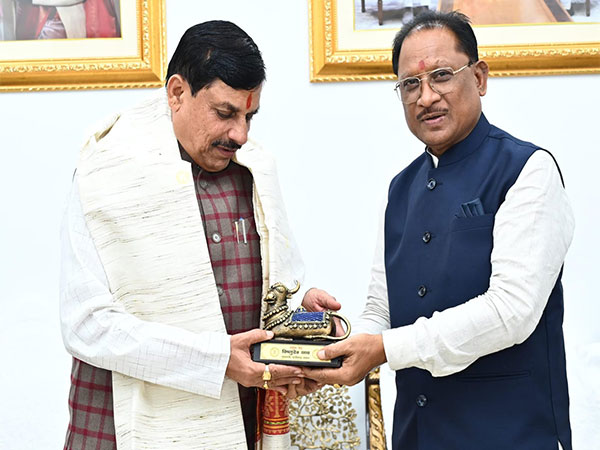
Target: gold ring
[[266, 376]]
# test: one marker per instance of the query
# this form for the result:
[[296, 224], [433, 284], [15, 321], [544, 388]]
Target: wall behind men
[[337, 147]]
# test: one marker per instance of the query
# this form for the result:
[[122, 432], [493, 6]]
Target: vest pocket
[[466, 264], [470, 223], [493, 376]]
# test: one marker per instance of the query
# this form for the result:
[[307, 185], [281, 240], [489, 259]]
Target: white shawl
[[140, 206]]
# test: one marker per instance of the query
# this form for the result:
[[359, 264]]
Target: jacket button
[[431, 184], [216, 237], [421, 400], [426, 237], [422, 291], [220, 290]]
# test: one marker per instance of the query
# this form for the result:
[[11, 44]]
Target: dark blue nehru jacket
[[437, 258]]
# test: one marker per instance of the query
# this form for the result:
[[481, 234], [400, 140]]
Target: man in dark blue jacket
[[465, 301]]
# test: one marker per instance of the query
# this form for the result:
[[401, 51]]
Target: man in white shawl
[[174, 231]]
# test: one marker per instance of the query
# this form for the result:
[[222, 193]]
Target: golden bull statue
[[298, 324]]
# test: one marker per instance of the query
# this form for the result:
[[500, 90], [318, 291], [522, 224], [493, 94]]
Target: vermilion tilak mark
[[421, 65], [249, 101]]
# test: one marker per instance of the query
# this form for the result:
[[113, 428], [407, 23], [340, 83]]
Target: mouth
[[432, 118], [226, 148]]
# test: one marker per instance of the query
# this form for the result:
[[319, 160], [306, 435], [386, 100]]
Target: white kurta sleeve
[[376, 315], [99, 331], [532, 232]]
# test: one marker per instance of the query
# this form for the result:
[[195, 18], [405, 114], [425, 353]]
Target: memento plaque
[[293, 352], [299, 334]]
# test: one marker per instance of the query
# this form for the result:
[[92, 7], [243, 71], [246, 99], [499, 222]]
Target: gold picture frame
[[359, 59], [136, 60]]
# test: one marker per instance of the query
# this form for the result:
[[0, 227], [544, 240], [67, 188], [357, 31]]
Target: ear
[[481, 70], [176, 87]]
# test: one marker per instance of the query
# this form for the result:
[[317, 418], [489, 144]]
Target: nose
[[239, 131], [428, 96]]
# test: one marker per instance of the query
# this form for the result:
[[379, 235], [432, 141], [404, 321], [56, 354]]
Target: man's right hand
[[248, 373]]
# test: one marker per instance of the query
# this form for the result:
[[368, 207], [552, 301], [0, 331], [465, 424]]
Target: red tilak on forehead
[[249, 101], [421, 65]]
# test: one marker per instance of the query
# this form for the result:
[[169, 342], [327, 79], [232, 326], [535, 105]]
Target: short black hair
[[217, 50], [454, 21]]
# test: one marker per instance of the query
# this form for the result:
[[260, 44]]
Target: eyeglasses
[[441, 81]]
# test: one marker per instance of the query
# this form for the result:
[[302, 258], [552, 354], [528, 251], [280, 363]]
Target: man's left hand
[[361, 353], [319, 300]]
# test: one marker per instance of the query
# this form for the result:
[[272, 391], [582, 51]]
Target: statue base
[[293, 352]]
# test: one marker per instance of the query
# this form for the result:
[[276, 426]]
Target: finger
[[339, 329], [323, 376], [291, 392], [308, 387], [285, 381], [257, 335], [281, 389], [312, 385], [331, 303], [332, 351], [326, 301], [280, 371]]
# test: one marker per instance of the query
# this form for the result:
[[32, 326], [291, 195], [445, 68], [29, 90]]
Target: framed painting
[[81, 44], [351, 40]]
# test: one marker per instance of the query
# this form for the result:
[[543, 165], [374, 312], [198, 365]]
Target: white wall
[[337, 147]]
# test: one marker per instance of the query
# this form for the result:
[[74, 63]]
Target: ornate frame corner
[[328, 62], [144, 70]]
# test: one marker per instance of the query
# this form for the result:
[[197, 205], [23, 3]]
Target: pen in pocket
[[241, 223]]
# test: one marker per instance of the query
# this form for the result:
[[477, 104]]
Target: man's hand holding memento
[[248, 373], [319, 300], [361, 353]]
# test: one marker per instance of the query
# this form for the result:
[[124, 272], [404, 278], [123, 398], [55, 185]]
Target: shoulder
[[149, 109], [142, 133], [509, 142], [532, 156], [529, 161], [542, 164]]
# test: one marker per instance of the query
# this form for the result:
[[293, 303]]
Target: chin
[[436, 141], [220, 166], [433, 144]]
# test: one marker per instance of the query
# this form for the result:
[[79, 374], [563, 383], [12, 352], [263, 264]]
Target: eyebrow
[[440, 64], [232, 108], [227, 106]]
